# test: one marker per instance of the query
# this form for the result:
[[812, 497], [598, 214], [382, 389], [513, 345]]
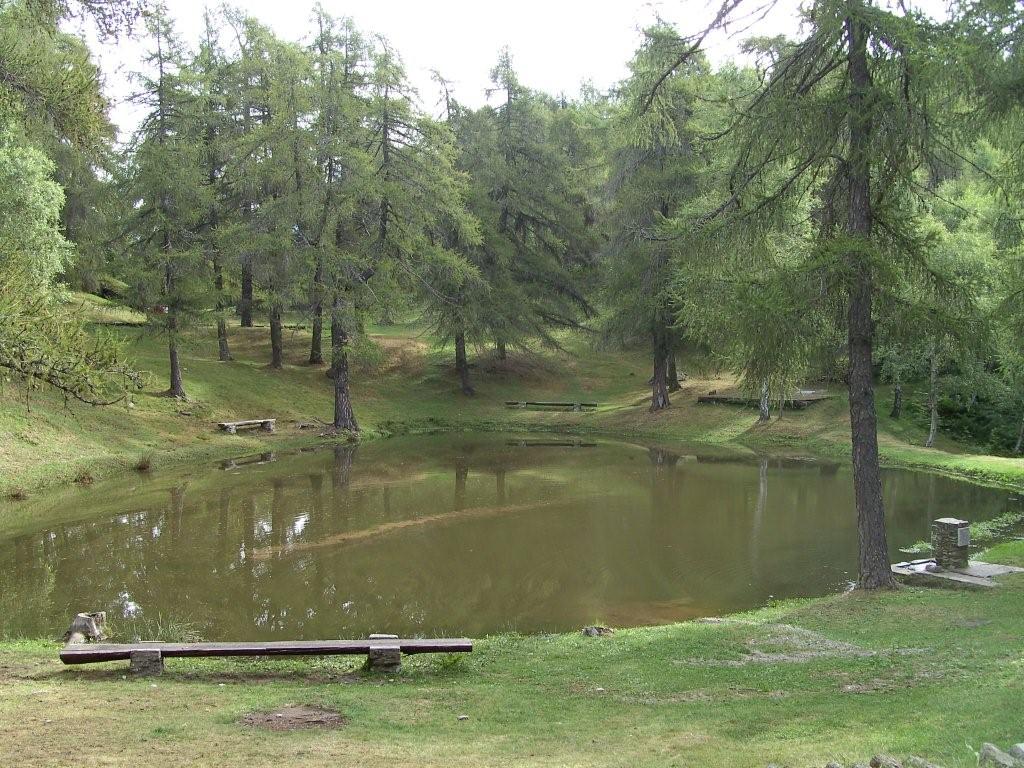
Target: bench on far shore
[[575, 406], [232, 427], [383, 652], [798, 399]]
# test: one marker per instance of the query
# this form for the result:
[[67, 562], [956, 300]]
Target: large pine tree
[[656, 169], [523, 161], [847, 114], [166, 181]]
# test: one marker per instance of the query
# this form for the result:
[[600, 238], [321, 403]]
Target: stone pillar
[[951, 539], [146, 662], [384, 656]]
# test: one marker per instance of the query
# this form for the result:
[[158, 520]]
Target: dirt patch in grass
[[402, 356], [523, 366], [295, 717], [781, 644]]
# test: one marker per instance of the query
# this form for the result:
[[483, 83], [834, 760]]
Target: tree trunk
[[933, 398], [177, 388], [276, 338], [659, 383], [502, 351], [245, 300], [756, 530], [874, 567], [765, 414], [897, 399], [316, 349], [499, 486], [462, 364], [341, 472], [1019, 447], [673, 373], [223, 351], [344, 416], [461, 474]]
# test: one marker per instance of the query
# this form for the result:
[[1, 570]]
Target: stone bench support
[[146, 663], [951, 542]]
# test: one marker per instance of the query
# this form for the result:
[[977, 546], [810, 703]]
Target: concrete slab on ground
[[977, 575]]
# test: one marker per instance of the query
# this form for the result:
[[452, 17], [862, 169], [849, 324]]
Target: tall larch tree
[[338, 102], [655, 167], [167, 184], [412, 189], [849, 113], [210, 70], [523, 158]]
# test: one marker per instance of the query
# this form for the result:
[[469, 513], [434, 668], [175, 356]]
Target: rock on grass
[[994, 757]]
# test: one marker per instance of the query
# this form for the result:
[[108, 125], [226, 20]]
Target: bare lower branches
[[725, 16], [40, 342]]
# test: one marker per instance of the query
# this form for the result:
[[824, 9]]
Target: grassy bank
[[407, 384], [918, 671]]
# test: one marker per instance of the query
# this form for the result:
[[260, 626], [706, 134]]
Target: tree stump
[[87, 628], [146, 663]]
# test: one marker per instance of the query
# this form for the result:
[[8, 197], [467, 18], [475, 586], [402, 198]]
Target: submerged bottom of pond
[[452, 535]]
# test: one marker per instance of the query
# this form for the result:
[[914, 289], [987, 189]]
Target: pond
[[451, 535]]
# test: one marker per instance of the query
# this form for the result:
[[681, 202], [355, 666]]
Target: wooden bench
[[798, 400], [383, 652], [551, 444], [232, 427], [575, 406]]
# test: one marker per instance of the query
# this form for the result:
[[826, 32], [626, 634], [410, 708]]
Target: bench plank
[[233, 426], [799, 399], [543, 403], [89, 653]]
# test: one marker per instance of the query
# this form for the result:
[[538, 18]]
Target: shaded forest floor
[[405, 383], [918, 671]]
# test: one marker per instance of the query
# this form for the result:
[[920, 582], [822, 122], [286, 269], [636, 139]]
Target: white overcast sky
[[556, 44]]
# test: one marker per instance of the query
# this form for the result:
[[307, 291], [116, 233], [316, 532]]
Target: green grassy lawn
[[931, 672], [923, 671], [409, 385]]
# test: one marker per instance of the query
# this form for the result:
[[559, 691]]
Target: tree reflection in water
[[454, 535]]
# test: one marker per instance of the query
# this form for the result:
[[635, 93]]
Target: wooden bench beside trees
[[575, 406], [232, 427], [383, 652], [799, 399]]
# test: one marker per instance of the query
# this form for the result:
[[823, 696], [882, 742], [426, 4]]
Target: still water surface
[[453, 535]]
